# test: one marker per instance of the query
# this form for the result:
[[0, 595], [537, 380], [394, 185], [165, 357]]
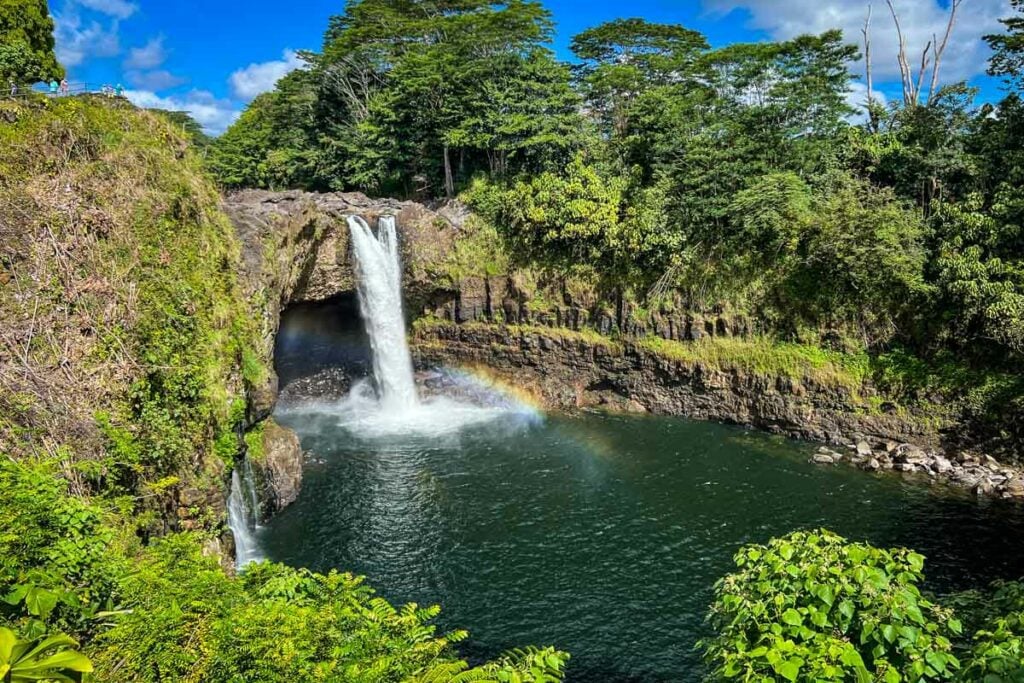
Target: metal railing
[[25, 91]]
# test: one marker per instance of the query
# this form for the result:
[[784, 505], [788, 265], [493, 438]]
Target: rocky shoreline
[[983, 475]]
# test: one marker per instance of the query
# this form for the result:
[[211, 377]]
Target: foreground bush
[[169, 613], [811, 606]]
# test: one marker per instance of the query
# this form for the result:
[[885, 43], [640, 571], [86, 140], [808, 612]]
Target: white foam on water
[[364, 416]]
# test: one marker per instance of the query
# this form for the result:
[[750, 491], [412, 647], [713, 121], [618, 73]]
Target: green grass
[[768, 358]]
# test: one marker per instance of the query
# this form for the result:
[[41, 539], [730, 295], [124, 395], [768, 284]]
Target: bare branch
[[866, 31], [921, 71], [902, 56], [941, 48]]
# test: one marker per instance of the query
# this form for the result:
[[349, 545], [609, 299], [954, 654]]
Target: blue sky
[[211, 57]]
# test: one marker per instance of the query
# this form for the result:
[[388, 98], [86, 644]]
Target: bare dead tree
[[901, 56], [869, 81], [931, 56], [940, 48]]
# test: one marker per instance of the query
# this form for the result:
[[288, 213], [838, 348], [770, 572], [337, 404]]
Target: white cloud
[[254, 79], [122, 9], [966, 54], [857, 98], [160, 79], [213, 114], [78, 41], [149, 56]]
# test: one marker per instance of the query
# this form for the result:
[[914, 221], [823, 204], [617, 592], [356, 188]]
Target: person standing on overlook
[[13, 87], [64, 86], [53, 87]]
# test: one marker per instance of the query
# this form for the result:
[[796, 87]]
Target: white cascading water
[[379, 271], [388, 406], [243, 512]]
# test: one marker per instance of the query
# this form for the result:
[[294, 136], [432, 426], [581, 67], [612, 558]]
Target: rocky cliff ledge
[[567, 371]]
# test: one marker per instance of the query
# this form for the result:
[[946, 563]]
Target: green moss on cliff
[[770, 359], [119, 296]]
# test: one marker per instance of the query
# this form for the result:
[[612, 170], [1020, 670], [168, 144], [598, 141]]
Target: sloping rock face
[[278, 470]]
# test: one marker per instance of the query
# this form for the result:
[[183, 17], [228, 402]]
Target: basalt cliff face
[[567, 371], [571, 371]]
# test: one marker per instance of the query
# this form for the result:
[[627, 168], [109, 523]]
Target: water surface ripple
[[602, 535]]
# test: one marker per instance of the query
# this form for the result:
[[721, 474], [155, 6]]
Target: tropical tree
[[26, 42]]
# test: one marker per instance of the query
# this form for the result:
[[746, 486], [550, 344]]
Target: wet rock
[[863, 449], [871, 465], [262, 400], [1014, 488], [823, 459], [278, 469], [941, 465]]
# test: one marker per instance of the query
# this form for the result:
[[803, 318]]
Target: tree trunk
[[449, 181]]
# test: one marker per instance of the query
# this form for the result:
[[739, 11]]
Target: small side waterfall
[[243, 513], [379, 272]]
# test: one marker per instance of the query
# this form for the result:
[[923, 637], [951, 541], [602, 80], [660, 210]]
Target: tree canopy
[[26, 42]]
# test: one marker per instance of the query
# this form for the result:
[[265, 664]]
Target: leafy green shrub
[[811, 606], [997, 653], [55, 658], [189, 621], [59, 563]]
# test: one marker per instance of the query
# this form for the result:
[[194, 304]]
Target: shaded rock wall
[[567, 371], [278, 469]]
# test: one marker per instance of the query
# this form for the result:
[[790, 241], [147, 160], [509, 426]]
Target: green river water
[[601, 535]]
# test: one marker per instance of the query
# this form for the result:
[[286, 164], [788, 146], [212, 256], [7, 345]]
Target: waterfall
[[379, 272], [243, 513]]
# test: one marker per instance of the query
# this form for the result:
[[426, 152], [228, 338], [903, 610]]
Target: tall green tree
[[626, 57], [1008, 48], [26, 42]]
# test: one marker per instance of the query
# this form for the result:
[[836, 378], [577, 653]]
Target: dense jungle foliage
[[676, 174]]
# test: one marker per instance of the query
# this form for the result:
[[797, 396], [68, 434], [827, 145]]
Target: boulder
[[278, 469], [1014, 488], [941, 465]]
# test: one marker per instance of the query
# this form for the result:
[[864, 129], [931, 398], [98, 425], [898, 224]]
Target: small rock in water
[[863, 448], [871, 465], [941, 465], [823, 459], [1014, 488]]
